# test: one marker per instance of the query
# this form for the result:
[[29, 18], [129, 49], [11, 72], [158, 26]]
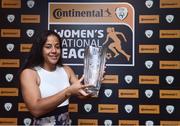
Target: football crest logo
[[121, 13]]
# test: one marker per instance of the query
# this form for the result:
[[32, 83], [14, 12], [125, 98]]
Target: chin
[[53, 62]]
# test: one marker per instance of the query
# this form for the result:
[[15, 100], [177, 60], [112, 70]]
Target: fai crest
[[121, 13]]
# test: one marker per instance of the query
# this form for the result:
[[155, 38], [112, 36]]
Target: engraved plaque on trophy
[[94, 63]]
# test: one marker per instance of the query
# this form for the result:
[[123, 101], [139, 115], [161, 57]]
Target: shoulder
[[72, 76], [68, 70], [28, 74], [28, 71]]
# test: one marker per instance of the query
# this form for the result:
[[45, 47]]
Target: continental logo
[[25, 47], [169, 34], [149, 109], [9, 63], [169, 123], [149, 19], [8, 121], [108, 108], [73, 107], [128, 93], [169, 94], [90, 122], [148, 48], [128, 122], [10, 33], [169, 65], [30, 18], [11, 3], [59, 13], [8, 91], [22, 107], [147, 79], [169, 4], [110, 79]]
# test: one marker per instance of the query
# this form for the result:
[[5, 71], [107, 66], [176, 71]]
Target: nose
[[53, 49]]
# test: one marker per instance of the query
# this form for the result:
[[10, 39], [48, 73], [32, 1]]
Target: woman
[[47, 84]]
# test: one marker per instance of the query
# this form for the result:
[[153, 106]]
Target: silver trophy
[[94, 63]]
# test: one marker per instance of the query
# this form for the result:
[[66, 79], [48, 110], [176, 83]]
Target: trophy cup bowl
[[94, 63]]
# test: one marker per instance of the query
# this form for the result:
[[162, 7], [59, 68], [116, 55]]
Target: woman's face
[[51, 51]]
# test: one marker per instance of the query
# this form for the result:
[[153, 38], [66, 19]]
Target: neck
[[49, 67]]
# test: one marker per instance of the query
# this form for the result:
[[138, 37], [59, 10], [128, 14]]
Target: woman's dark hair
[[36, 58]]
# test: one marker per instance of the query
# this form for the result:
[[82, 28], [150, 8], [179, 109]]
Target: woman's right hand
[[77, 88]]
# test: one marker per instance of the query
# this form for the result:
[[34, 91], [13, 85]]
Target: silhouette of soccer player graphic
[[115, 46]]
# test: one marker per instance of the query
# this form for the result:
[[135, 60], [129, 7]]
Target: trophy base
[[93, 91]]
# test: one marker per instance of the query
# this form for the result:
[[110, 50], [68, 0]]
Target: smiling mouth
[[54, 57]]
